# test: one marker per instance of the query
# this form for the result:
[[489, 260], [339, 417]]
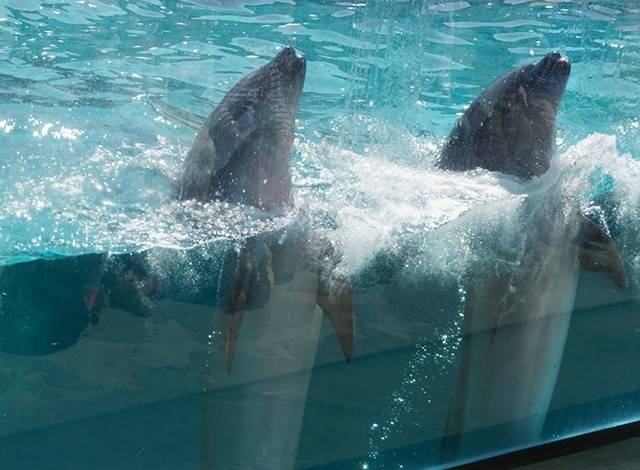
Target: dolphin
[[242, 154], [243, 150], [516, 319]]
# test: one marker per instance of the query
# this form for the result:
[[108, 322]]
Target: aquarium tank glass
[[252, 234]]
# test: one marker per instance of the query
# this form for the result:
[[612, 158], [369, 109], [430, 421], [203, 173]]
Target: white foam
[[382, 206], [385, 198]]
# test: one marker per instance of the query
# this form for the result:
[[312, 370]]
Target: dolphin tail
[[335, 299], [598, 253]]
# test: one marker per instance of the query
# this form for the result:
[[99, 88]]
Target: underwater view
[[252, 234]]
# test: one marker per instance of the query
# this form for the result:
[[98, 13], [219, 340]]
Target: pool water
[[99, 104], [86, 150]]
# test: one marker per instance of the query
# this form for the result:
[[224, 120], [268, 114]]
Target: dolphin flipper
[[175, 114], [254, 277], [249, 289], [598, 252], [241, 285], [334, 297], [130, 284]]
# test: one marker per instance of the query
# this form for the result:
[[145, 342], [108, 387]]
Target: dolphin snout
[[560, 65], [288, 62], [286, 55], [554, 63]]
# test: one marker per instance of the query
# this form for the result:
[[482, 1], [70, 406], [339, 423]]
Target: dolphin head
[[243, 151], [510, 127], [546, 80], [267, 98]]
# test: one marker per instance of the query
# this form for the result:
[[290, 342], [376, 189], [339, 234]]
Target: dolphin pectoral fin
[[235, 320], [175, 114], [129, 285], [334, 295], [335, 299], [238, 300], [251, 288], [598, 253]]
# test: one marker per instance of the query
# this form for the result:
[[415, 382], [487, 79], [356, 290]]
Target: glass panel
[[245, 234]]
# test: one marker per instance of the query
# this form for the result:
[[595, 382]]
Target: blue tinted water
[[98, 100], [86, 152]]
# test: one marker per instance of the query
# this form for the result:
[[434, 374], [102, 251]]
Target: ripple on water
[[343, 13], [138, 10], [261, 47], [495, 24], [78, 13], [448, 7], [437, 37], [24, 71], [257, 19], [515, 37], [321, 35]]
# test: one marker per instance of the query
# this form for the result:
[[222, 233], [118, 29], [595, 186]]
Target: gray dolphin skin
[[510, 127], [242, 154], [243, 150], [516, 321]]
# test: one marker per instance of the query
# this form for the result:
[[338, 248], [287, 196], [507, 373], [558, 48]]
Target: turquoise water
[[98, 105], [89, 157]]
